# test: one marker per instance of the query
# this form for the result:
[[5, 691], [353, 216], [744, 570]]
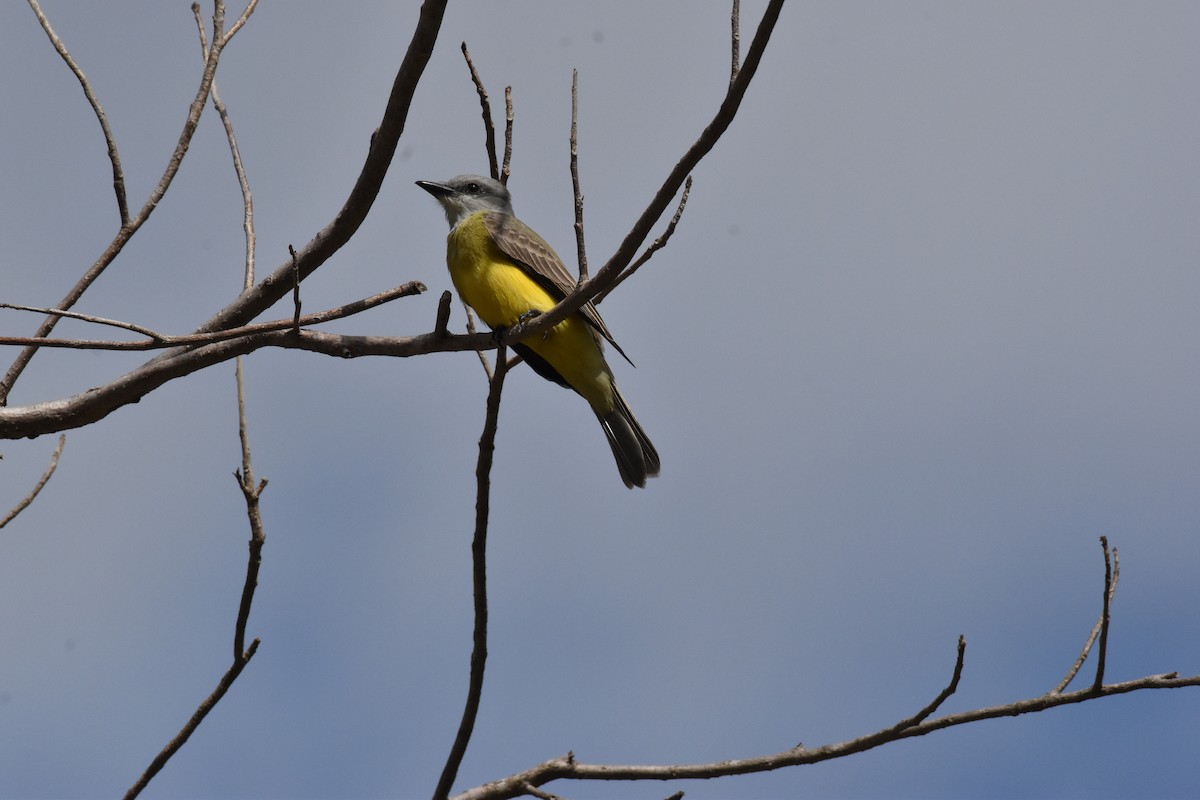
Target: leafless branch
[[735, 40], [1110, 590], [608, 274], [483, 470], [194, 722], [245, 475], [87, 407], [489, 129], [581, 251], [235, 152], [443, 314], [923, 714], [654, 247], [249, 304], [130, 227], [252, 492], [29, 498], [569, 768], [159, 341], [296, 305], [508, 134], [534, 791], [64, 413], [1105, 615], [114, 157], [483, 359], [129, 326]]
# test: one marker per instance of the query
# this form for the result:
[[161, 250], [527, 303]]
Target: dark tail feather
[[636, 457]]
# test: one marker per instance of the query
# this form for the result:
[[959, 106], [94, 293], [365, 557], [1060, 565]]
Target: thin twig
[[735, 40], [654, 247], [295, 290], [508, 134], [923, 714], [443, 314], [1105, 617], [579, 246], [483, 360], [252, 493], [109, 140], [194, 722], [129, 326], [489, 129], [1095, 632], [483, 470], [244, 475], [235, 152], [29, 498], [534, 791], [237, 25], [161, 341]]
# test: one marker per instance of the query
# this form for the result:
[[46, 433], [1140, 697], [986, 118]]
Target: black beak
[[438, 190]]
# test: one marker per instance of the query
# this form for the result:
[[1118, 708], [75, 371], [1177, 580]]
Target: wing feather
[[539, 261]]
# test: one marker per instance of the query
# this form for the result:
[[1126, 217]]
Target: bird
[[505, 271]]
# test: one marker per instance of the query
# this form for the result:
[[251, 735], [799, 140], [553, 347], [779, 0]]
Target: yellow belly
[[500, 292]]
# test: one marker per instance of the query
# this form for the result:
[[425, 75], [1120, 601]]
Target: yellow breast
[[500, 292]]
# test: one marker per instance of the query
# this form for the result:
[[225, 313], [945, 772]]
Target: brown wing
[[539, 261]]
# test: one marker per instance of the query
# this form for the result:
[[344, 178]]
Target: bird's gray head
[[463, 195]]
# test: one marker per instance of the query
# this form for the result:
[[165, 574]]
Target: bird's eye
[[473, 188]]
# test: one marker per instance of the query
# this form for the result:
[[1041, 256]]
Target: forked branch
[[483, 480], [569, 768]]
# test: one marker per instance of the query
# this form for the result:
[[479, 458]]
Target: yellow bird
[[503, 270]]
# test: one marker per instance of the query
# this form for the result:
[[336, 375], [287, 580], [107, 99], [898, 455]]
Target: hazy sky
[[927, 329]]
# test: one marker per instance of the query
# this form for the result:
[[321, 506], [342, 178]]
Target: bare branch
[[1110, 590], [483, 470], [579, 247], [87, 407], [90, 94], [489, 129], [333, 237], [194, 722], [29, 498], [567, 767], [735, 40], [443, 314], [130, 227], [641, 228], [129, 326], [508, 134], [483, 360], [1105, 616], [654, 247], [295, 290], [924, 713], [258, 537], [164, 341], [534, 791], [237, 25], [239, 169]]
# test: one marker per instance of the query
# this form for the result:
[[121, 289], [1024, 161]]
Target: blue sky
[[926, 331]]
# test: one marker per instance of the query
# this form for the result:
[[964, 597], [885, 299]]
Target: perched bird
[[503, 270]]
